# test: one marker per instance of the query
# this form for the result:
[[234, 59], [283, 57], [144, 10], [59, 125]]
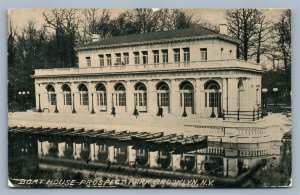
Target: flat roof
[[147, 38]]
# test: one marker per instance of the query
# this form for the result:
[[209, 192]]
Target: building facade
[[195, 71]]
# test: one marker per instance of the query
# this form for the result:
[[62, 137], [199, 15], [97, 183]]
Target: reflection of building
[[192, 69]]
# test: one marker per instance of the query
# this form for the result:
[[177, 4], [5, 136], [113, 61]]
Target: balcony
[[192, 65]]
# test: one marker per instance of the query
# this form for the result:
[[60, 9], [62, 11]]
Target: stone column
[[201, 97], [92, 90], [61, 149], [224, 94], [153, 156], [152, 98], [59, 97], [109, 91], [131, 155], [74, 93], [232, 94], [111, 153], [230, 167], [44, 100], [197, 101], [129, 97], [200, 159], [37, 91], [174, 98], [176, 161]]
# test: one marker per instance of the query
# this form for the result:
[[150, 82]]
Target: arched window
[[84, 95], [140, 94], [212, 91], [163, 94], [120, 94], [51, 94], [101, 94], [186, 94], [67, 94]]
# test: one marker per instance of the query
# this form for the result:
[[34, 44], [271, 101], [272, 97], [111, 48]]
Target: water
[[49, 161]]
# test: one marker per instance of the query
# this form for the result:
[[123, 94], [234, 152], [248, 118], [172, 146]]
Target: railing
[[216, 64], [253, 115]]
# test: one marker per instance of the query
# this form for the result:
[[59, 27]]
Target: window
[[136, 57], [120, 95], [101, 95], [176, 55], [140, 95], [165, 56], [118, 59], [108, 59], [145, 57], [162, 94], [203, 53], [88, 61], [51, 95], [213, 99], [101, 60], [67, 94], [84, 96], [126, 58], [186, 54], [101, 100], [155, 56]]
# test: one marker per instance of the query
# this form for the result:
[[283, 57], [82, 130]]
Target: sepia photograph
[[149, 98]]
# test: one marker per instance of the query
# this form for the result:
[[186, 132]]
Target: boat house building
[[195, 71]]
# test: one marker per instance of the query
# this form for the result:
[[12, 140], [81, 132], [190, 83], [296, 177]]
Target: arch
[[140, 96], [100, 87], [66, 88], [120, 87], [140, 87], [82, 88], [212, 84], [240, 85], [162, 85], [50, 88], [186, 85]]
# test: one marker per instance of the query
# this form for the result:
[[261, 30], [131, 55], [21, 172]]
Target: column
[[111, 153], [151, 99], [232, 94], [230, 167], [153, 156], [37, 91], [131, 155], [174, 98], [92, 102], [109, 91], [197, 97], [75, 97], [200, 159], [61, 149], [224, 94], [59, 97], [176, 161], [44, 100], [129, 97]]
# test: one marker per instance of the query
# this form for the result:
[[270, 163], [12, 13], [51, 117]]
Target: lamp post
[[264, 92], [93, 111], [275, 90]]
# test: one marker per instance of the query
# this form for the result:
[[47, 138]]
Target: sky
[[20, 17]]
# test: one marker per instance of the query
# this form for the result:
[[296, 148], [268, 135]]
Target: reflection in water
[[230, 164]]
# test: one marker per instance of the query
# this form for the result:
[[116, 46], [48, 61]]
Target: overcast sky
[[20, 17]]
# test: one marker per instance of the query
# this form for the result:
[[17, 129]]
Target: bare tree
[[242, 25]]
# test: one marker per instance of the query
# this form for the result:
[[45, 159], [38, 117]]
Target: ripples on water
[[59, 161]]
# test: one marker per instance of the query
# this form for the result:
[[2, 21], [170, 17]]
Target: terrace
[[233, 64]]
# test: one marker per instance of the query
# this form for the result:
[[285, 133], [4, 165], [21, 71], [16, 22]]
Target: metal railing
[[238, 115], [214, 64]]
